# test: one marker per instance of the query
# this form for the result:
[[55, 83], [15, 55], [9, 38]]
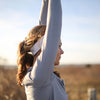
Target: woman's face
[[59, 53]]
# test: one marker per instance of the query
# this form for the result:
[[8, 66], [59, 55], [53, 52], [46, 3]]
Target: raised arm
[[43, 13], [44, 65]]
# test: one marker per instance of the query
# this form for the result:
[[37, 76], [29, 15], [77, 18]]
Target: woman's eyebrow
[[60, 44]]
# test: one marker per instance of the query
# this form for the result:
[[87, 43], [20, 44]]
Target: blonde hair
[[24, 58]]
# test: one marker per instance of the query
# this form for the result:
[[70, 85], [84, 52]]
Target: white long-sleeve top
[[40, 81]]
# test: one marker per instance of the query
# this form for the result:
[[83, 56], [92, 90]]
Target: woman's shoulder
[[59, 80]]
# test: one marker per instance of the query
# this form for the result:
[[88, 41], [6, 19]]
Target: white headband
[[37, 46]]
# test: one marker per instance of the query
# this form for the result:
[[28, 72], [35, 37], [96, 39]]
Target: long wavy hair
[[25, 58]]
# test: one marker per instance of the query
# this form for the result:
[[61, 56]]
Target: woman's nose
[[62, 52]]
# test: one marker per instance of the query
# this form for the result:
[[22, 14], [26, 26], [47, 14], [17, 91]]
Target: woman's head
[[25, 57], [59, 53]]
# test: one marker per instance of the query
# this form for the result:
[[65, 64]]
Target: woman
[[38, 54]]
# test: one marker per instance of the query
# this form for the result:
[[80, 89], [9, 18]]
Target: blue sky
[[80, 29]]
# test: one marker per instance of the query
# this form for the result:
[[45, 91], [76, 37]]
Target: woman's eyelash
[[60, 46]]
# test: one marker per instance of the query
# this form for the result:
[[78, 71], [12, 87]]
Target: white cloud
[[84, 20], [13, 29], [16, 24], [80, 53]]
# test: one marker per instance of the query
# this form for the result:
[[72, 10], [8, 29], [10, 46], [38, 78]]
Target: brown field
[[77, 81]]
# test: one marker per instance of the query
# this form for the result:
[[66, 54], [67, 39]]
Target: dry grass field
[[77, 81]]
